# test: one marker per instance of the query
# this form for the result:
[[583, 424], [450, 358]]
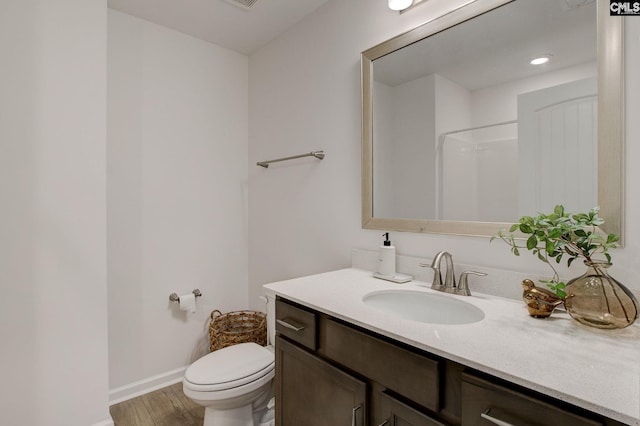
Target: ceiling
[[219, 21], [496, 47]]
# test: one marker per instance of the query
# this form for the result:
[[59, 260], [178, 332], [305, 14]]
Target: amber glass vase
[[598, 300]]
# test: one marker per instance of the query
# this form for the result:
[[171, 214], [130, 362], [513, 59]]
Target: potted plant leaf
[[595, 298]]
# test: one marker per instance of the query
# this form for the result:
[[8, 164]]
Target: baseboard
[[108, 422], [145, 386]]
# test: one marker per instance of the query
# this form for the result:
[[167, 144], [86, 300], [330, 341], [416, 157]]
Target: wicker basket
[[237, 327]]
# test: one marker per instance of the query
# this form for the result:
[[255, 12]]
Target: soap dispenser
[[387, 258], [387, 263]]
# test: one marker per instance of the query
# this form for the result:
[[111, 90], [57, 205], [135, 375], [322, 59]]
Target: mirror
[[462, 135]]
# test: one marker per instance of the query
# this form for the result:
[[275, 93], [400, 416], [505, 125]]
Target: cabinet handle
[[386, 421], [354, 414], [289, 325], [493, 420]]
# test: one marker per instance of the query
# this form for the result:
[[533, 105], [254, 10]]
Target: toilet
[[234, 384]]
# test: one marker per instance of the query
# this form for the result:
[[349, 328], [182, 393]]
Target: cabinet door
[[396, 413], [311, 392], [485, 404], [406, 373]]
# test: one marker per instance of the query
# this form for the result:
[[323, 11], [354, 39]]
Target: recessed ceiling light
[[399, 4], [540, 60]]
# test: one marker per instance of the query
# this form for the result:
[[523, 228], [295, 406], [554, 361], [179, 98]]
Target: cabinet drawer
[[414, 376], [511, 407], [395, 412], [296, 323]]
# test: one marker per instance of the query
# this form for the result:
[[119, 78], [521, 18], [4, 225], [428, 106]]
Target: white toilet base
[[238, 410], [242, 416]]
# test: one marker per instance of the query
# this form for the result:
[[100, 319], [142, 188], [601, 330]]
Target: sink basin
[[424, 307]]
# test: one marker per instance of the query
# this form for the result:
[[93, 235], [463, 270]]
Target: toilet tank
[[270, 299]]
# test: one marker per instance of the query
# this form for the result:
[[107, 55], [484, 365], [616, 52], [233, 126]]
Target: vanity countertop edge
[[598, 370]]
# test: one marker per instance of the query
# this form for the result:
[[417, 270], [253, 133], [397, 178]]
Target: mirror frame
[[611, 188]]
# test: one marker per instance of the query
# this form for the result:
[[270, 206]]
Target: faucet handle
[[463, 285], [437, 277]]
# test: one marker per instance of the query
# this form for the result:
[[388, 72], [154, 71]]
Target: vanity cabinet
[[394, 412], [330, 372], [312, 392], [486, 403], [399, 370]]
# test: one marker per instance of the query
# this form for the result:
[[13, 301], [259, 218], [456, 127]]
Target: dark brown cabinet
[[329, 373], [311, 392], [333, 373], [397, 413], [485, 403], [412, 375]]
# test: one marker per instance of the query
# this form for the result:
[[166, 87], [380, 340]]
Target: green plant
[[553, 236]]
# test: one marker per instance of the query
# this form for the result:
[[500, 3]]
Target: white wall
[[177, 207], [305, 94], [53, 321], [414, 181], [453, 107], [401, 165], [456, 162], [382, 155]]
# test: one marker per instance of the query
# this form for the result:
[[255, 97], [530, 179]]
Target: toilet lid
[[233, 365]]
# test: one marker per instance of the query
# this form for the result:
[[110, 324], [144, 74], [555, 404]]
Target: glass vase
[[598, 300]]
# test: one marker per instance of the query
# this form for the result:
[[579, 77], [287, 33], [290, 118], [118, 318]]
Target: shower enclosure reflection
[[477, 173], [466, 129], [549, 156]]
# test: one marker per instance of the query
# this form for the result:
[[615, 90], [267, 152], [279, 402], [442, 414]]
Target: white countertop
[[595, 369]]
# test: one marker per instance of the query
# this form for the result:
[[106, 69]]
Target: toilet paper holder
[[175, 298]]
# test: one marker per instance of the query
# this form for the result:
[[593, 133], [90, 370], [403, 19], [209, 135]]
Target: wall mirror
[[462, 134]]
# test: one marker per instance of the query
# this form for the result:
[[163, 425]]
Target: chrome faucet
[[449, 275], [449, 285], [463, 285]]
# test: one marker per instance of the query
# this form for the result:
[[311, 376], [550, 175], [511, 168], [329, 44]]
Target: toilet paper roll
[[188, 303]]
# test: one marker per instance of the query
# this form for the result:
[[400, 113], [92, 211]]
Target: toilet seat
[[229, 368]]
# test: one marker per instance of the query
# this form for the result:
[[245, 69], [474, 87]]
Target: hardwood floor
[[164, 407]]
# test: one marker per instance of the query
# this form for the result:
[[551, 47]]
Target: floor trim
[[144, 386], [108, 422]]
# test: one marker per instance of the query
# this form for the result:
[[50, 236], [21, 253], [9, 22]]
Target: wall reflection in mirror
[[466, 128]]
